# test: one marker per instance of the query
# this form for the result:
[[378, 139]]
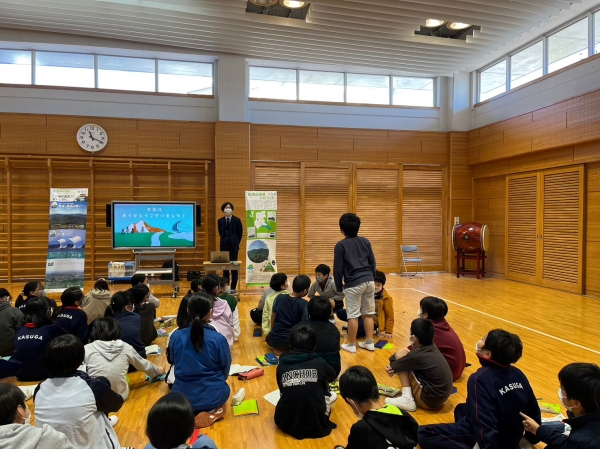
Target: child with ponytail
[[31, 290], [201, 359], [121, 308]]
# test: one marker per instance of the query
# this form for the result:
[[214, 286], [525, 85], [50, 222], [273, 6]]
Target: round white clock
[[92, 138]]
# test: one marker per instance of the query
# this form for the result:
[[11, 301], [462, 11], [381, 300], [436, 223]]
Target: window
[[527, 65], [116, 72], [596, 20], [492, 81], [15, 67], [412, 91], [64, 69], [185, 77], [568, 45], [277, 84], [321, 86], [368, 89]]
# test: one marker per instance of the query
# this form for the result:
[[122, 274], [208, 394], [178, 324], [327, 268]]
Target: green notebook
[[249, 407]]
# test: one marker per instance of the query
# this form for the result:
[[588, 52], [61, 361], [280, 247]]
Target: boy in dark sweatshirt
[[381, 427], [424, 373], [71, 318], [354, 275], [328, 336], [303, 379], [147, 311], [579, 393], [496, 394]]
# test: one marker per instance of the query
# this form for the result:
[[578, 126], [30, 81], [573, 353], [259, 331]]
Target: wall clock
[[92, 138]]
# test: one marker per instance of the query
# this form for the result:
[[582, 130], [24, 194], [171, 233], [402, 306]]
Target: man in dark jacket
[[579, 393], [303, 379], [11, 319], [382, 427], [497, 393], [231, 231]]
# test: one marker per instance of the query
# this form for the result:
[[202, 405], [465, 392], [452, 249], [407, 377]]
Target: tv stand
[[156, 271]]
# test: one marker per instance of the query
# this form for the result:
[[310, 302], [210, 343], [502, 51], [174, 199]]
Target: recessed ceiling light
[[264, 2], [458, 25], [434, 23], [292, 4]]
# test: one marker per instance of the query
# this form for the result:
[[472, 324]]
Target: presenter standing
[[231, 231]]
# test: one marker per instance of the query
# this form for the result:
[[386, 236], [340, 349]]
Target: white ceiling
[[347, 33]]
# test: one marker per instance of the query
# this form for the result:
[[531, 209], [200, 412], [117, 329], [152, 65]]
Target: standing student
[[231, 231], [325, 286], [122, 309], [280, 286], [147, 310], [435, 310], [328, 335], [303, 379], [72, 402], [354, 274], [34, 289], [381, 426], [108, 356], [15, 428], [96, 301], [579, 393], [11, 319], [171, 423], [288, 310], [201, 359], [138, 279], [31, 339], [496, 395], [221, 317], [71, 318], [424, 373], [224, 293]]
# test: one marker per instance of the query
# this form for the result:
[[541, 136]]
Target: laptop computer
[[219, 256]]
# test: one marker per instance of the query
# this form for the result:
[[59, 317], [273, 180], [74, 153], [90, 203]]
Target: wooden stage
[[556, 328]]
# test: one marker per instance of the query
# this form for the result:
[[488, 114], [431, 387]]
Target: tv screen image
[[139, 225]]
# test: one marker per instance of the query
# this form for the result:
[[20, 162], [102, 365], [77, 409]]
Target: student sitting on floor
[[122, 309], [381, 427], [303, 379], [71, 318], [147, 310], [222, 318], [224, 290], [11, 319], [424, 373], [96, 301], [195, 286], [288, 310], [325, 286], [280, 286], [328, 336], [496, 394], [108, 356], [15, 429], [170, 424], [435, 310], [31, 290], [183, 321], [33, 337], [137, 279], [72, 402], [256, 313], [384, 306], [579, 393], [201, 359]]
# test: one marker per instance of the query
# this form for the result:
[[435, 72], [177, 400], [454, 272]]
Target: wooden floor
[[556, 328]]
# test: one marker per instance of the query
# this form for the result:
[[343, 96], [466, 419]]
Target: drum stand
[[479, 256]]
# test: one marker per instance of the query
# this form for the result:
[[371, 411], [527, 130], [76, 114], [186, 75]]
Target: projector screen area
[[142, 225]]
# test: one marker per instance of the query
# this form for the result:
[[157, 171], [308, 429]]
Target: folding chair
[[411, 251]]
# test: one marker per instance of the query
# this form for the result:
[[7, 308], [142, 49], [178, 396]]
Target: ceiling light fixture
[[292, 4], [458, 26], [264, 2], [434, 23]]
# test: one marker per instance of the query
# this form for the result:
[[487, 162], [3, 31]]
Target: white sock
[[407, 392]]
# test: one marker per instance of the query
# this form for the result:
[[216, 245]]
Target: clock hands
[[92, 137]]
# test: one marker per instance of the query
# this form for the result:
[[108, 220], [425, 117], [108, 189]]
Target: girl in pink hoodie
[[222, 318]]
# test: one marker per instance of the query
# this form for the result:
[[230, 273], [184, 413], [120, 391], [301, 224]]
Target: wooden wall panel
[[460, 191], [592, 271], [489, 208]]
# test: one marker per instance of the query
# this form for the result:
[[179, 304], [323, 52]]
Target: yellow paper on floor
[[249, 407]]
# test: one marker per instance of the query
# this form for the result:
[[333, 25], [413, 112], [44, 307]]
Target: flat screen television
[[153, 225]]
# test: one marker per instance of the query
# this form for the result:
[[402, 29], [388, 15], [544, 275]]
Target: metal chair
[[410, 251]]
